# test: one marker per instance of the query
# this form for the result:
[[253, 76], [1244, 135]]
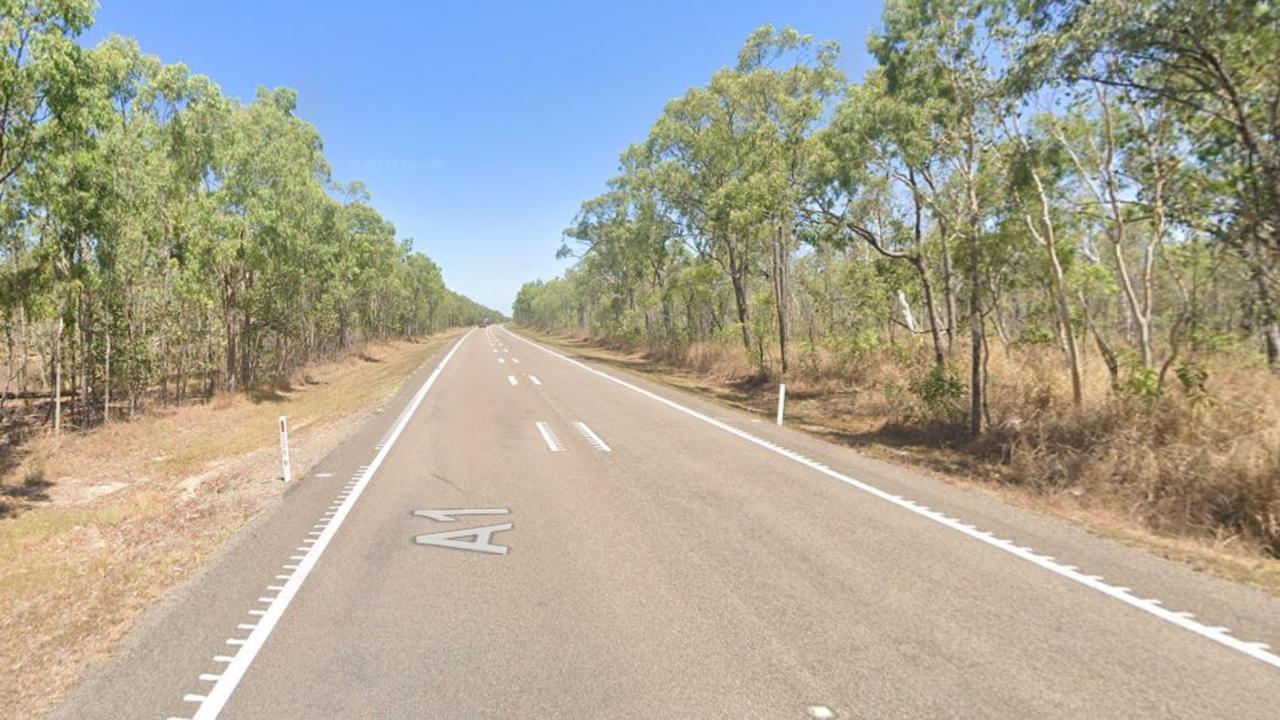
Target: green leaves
[[161, 231], [41, 78]]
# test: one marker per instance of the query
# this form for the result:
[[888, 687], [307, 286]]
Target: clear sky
[[477, 127]]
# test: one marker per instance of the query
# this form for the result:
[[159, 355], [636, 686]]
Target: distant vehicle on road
[[484, 322]]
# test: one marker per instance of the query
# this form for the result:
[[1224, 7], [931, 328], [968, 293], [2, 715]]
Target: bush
[[940, 393]]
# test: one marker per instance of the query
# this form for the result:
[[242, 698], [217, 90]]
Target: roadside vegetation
[[1038, 243], [111, 520], [161, 242], [184, 261]]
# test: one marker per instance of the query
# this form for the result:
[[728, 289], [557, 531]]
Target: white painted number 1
[[481, 538]]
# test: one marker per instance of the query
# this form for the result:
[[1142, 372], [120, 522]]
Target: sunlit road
[[624, 551]]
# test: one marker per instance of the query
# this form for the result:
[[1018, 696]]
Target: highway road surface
[[521, 535]]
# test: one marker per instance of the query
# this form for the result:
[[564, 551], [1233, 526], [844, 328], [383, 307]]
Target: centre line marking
[[512, 379], [220, 693], [534, 379], [549, 437], [1255, 650], [591, 437]]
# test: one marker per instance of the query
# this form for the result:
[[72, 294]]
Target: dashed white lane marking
[[512, 379], [324, 475], [591, 437], [515, 360], [500, 360], [1222, 636], [549, 437], [212, 703], [821, 712], [534, 379]]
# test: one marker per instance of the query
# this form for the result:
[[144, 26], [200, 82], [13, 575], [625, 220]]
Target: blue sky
[[477, 127]]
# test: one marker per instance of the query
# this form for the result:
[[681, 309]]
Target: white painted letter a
[[482, 542]]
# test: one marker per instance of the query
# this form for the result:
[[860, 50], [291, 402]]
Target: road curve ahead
[[520, 535]]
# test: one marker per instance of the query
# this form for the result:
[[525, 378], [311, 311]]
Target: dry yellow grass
[[134, 508], [1194, 482]]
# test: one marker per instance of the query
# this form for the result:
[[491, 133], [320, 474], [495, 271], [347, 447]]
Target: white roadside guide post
[[782, 400], [284, 448]]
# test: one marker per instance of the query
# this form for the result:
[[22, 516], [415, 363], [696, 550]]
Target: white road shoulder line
[[217, 697], [1258, 651], [549, 437], [591, 437]]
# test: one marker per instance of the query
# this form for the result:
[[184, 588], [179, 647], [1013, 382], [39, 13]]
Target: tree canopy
[[158, 238], [1100, 177]]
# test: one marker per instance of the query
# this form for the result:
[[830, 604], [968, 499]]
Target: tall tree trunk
[[935, 333], [780, 294], [1049, 239], [1270, 317], [1104, 348], [106, 379], [977, 342], [976, 346], [24, 370], [948, 288], [917, 260], [57, 378], [744, 315]]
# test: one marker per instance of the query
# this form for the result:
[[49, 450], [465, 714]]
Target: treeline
[[1099, 178], [161, 239]]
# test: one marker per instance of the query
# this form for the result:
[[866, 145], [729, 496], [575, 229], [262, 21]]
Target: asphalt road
[[645, 555]]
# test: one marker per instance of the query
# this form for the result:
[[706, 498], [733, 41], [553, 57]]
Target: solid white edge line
[[591, 437], [221, 691], [548, 437], [1252, 649]]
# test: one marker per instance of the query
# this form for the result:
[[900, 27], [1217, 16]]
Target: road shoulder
[[143, 565]]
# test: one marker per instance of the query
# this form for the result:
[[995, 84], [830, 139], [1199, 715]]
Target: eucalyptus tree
[[42, 77], [1035, 177], [705, 158], [155, 230], [1213, 65], [878, 181], [786, 81], [628, 243], [942, 57]]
